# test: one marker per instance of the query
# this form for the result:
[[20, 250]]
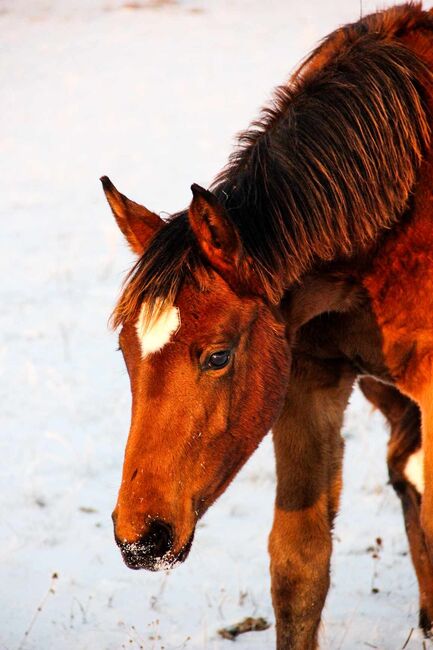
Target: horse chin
[[134, 560], [184, 552]]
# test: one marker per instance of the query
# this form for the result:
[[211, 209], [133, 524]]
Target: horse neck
[[304, 197]]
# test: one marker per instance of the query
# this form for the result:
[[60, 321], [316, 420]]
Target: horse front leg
[[309, 451], [426, 406], [300, 549], [405, 474], [417, 383]]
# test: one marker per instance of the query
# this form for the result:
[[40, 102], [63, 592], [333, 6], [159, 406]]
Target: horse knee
[[295, 565], [300, 539], [300, 550]]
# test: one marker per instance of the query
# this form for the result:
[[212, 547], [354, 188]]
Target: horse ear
[[137, 223], [216, 235]]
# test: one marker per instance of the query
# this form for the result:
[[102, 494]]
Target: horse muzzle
[[154, 550]]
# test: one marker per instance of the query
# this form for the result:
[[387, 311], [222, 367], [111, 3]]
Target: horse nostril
[[159, 538], [152, 550]]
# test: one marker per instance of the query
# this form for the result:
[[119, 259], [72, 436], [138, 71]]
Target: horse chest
[[351, 337], [400, 288]]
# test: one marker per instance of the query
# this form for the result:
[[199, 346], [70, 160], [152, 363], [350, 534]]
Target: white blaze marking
[[155, 334], [414, 470]]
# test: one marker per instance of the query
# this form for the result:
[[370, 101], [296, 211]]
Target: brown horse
[[309, 264]]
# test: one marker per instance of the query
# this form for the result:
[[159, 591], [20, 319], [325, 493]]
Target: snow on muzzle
[[154, 549]]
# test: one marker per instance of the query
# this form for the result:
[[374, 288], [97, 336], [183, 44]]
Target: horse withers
[[307, 265]]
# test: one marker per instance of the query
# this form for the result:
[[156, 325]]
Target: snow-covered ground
[[150, 93]]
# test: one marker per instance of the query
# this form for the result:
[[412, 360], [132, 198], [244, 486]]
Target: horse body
[[302, 271]]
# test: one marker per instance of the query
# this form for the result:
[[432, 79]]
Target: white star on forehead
[[153, 334]]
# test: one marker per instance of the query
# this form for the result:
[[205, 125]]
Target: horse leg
[[309, 451], [404, 419], [416, 381]]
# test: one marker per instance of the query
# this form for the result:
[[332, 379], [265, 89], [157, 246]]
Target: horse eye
[[218, 360]]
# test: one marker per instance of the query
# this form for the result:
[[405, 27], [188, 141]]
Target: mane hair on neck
[[327, 167], [332, 161]]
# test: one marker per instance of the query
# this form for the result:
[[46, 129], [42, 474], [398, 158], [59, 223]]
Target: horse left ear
[[137, 223], [216, 235]]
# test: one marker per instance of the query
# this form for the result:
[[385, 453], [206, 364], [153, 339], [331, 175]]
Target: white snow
[[151, 96]]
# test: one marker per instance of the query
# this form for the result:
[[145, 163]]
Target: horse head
[[208, 362]]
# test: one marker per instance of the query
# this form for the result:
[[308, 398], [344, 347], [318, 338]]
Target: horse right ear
[[216, 235], [220, 242], [137, 223]]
